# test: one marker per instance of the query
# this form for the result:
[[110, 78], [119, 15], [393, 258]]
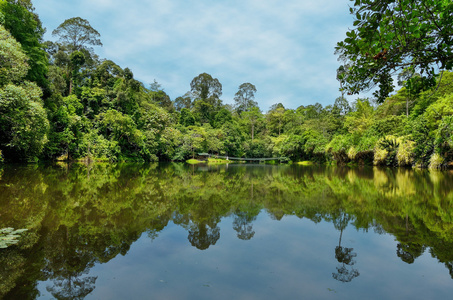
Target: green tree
[[204, 87], [275, 118], [361, 117], [183, 102], [244, 98], [25, 26], [13, 60], [186, 117], [77, 33], [206, 92], [222, 117], [391, 36], [252, 117], [23, 121]]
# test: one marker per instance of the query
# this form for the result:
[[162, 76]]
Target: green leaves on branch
[[390, 36], [13, 61]]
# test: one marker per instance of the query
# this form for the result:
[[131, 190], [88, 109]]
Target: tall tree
[[392, 35], [77, 33], [206, 91], [244, 98], [252, 117], [26, 27], [23, 121], [275, 118], [204, 87], [183, 102]]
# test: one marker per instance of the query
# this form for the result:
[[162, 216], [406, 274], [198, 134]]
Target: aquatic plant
[[9, 236]]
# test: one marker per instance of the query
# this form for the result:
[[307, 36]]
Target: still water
[[176, 231]]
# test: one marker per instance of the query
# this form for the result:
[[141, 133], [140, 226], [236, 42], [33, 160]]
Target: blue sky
[[284, 48]]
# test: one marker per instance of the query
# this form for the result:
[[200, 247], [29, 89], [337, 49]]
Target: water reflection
[[80, 216]]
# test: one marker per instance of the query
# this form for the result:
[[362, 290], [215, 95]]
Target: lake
[[176, 231]]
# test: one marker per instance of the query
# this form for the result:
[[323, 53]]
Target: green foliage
[[436, 111], [275, 119], [23, 122], [13, 59], [222, 117], [77, 33], [25, 26], [436, 161], [424, 140], [386, 151], [405, 154], [390, 35], [361, 117], [244, 98], [93, 108], [186, 118]]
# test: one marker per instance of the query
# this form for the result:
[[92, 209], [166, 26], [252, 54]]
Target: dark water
[[226, 232]]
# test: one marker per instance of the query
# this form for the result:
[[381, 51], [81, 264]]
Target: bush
[[405, 153], [436, 161], [385, 151]]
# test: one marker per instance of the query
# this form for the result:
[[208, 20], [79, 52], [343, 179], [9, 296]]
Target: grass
[[305, 163], [194, 161], [213, 161]]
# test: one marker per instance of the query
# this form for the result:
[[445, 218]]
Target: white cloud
[[284, 48]]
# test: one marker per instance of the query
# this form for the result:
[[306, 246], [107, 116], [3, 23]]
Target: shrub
[[405, 153], [436, 161], [385, 151]]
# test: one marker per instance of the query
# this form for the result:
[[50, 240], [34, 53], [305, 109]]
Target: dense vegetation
[[59, 100]]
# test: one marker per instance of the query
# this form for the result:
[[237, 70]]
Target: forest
[[60, 101]]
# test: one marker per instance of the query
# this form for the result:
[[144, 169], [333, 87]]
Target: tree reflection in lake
[[345, 256], [79, 217]]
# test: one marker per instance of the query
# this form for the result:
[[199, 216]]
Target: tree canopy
[[391, 36], [77, 33]]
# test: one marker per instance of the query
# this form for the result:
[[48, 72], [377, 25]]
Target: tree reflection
[[72, 287], [202, 236], [83, 220], [243, 225], [345, 256], [409, 252]]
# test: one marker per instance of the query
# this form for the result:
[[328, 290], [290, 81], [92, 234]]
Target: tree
[[244, 98], [275, 118], [341, 106], [206, 92], [23, 121], [186, 117], [252, 117], [361, 117], [77, 33], [183, 102], [77, 60], [222, 117], [25, 26], [390, 36], [13, 59], [205, 87]]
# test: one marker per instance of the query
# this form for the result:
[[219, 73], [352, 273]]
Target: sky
[[284, 48]]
